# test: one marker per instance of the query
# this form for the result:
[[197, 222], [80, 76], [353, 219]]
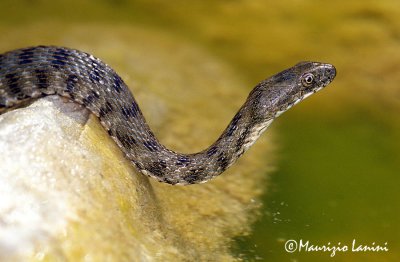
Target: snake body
[[35, 72]]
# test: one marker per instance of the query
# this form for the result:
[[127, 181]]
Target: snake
[[34, 72]]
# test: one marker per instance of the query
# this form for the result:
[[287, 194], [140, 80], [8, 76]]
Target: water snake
[[34, 72]]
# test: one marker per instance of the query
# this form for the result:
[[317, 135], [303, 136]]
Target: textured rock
[[66, 190]]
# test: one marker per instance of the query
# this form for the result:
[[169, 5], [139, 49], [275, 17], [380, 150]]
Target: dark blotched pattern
[[44, 70]]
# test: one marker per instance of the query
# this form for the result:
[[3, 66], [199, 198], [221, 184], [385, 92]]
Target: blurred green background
[[337, 174]]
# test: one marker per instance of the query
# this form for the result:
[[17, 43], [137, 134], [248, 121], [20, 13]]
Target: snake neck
[[175, 168]]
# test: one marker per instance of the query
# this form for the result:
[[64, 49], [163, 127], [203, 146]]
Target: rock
[[68, 193]]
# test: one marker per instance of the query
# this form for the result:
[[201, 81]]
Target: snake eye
[[307, 79]]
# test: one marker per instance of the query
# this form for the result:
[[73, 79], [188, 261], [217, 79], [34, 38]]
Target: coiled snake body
[[45, 70]]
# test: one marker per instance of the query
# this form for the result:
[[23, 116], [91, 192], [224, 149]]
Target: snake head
[[313, 77], [277, 94]]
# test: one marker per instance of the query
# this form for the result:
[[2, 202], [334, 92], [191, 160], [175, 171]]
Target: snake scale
[[35, 72]]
